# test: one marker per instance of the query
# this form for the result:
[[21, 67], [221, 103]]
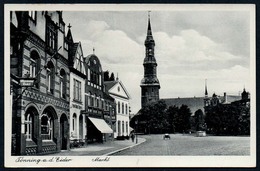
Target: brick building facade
[[40, 112]]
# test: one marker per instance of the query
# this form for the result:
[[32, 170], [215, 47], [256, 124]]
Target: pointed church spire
[[69, 35], [149, 29], [206, 90], [149, 36]]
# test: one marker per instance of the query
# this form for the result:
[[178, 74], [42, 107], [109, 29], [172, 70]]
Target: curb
[[116, 151]]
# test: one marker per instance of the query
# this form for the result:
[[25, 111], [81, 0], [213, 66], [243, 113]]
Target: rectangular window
[[77, 90], [89, 99], [51, 35], [88, 74], [126, 127], [123, 127]]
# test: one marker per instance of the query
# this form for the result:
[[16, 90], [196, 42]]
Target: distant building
[[196, 103], [233, 117], [150, 84], [117, 90]]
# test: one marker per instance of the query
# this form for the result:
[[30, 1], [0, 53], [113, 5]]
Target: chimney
[[225, 97]]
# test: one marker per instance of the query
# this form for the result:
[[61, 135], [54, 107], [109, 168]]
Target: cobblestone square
[[190, 145]]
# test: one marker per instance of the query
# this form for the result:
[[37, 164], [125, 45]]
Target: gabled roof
[[111, 84]]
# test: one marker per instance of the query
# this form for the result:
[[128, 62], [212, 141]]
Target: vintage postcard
[[133, 85]]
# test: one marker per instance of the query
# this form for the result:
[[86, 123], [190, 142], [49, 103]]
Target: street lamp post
[[136, 123]]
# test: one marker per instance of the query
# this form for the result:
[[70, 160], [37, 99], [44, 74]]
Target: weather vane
[[149, 13]]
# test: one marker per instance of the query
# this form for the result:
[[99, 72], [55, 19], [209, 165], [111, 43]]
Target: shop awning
[[101, 125]]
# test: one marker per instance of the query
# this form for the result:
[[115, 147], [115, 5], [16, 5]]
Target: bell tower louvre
[[150, 84]]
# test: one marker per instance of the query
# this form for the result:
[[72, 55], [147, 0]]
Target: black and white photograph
[[133, 85]]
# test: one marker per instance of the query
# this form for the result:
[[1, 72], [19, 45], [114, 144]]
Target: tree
[[184, 118], [152, 118], [224, 119], [157, 118], [172, 112]]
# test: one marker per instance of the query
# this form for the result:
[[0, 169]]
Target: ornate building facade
[[57, 94], [150, 84], [40, 108], [99, 106]]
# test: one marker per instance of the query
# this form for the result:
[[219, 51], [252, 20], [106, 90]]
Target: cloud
[[95, 28], [184, 60]]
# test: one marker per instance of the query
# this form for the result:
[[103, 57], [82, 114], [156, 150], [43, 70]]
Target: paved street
[[190, 145], [99, 149]]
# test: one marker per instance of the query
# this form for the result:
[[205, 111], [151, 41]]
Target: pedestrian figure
[[132, 137]]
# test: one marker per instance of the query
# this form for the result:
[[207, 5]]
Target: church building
[[150, 84]]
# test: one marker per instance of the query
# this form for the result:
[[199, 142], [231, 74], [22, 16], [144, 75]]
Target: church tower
[[150, 84]]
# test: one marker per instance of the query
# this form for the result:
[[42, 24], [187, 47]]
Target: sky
[[190, 46]]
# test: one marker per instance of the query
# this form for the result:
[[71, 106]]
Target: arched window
[[50, 77], [28, 126], [35, 63], [74, 125], [47, 126], [123, 108], [63, 81], [118, 107], [126, 109]]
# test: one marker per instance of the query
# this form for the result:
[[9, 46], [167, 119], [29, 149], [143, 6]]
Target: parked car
[[166, 136]]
